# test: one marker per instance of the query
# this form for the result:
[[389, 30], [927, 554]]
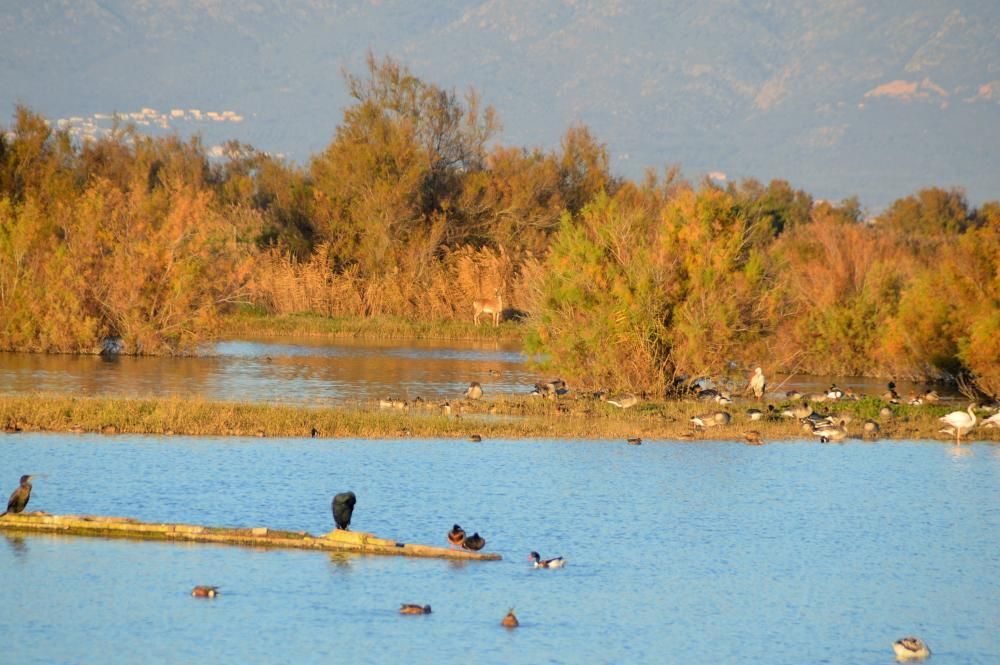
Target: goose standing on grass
[[756, 384], [961, 422], [624, 401], [910, 648], [539, 562], [19, 497], [890, 395], [713, 419], [827, 433]]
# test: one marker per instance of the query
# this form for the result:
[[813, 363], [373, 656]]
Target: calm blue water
[[703, 552]]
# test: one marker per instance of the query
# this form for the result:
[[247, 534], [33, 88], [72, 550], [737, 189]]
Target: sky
[[839, 97]]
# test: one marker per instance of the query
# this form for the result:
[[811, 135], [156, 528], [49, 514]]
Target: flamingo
[[960, 421]]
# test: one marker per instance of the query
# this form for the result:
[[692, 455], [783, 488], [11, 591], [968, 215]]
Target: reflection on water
[[316, 371], [276, 370], [713, 552], [18, 545]]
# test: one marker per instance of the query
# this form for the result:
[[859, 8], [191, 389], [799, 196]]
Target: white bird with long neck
[[960, 421], [757, 383]]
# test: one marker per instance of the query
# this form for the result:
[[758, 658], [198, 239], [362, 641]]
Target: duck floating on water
[[410, 608], [202, 591], [634, 441], [510, 621], [910, 648], [555, 562], [753, 438]]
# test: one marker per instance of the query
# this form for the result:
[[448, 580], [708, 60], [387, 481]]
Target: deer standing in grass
[[492, 306]]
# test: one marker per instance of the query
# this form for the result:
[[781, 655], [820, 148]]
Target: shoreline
[[501, 417]]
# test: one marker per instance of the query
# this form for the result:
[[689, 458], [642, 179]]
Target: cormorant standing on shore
[[343, 508], [19, 498]]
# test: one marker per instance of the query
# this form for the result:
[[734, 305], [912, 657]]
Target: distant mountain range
[[840, 97]]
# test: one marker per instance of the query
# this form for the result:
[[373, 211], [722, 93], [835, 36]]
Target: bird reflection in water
[[341, 560], [18, 545]]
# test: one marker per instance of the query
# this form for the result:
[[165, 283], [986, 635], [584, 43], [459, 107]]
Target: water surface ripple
[[709, 552]]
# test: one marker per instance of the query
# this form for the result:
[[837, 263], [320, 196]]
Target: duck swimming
[[456, 536], [510, 621], [556, 562], [205, 591], [409, 608], [910, 648]]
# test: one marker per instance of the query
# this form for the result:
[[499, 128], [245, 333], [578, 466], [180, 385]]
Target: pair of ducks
[[457, 538], [509, 621]]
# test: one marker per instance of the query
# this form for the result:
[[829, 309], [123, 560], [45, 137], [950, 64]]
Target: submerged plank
[[125, 527]]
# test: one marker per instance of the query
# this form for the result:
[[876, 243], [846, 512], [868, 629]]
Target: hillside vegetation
[[413, 210]]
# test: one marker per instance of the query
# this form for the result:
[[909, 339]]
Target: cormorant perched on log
[[19, 498], [343, 508], [475, 542]]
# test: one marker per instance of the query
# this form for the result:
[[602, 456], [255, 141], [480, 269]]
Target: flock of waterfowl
[[342, 507], [793, 405]]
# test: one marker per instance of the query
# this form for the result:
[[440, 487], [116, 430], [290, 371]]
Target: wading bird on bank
[[961, 422], [756, 384]]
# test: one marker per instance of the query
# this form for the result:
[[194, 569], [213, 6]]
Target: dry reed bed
[[501, 417]]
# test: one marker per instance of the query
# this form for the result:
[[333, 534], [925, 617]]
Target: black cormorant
[[343, 508], [19, 498]]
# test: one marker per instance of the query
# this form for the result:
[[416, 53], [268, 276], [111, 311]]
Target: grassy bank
[[520, 417], [252, 323]]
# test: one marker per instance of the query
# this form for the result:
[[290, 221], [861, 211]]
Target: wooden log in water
[[124, 527]]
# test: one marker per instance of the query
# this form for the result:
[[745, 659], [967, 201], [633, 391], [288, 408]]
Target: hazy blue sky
[[840, 97]]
